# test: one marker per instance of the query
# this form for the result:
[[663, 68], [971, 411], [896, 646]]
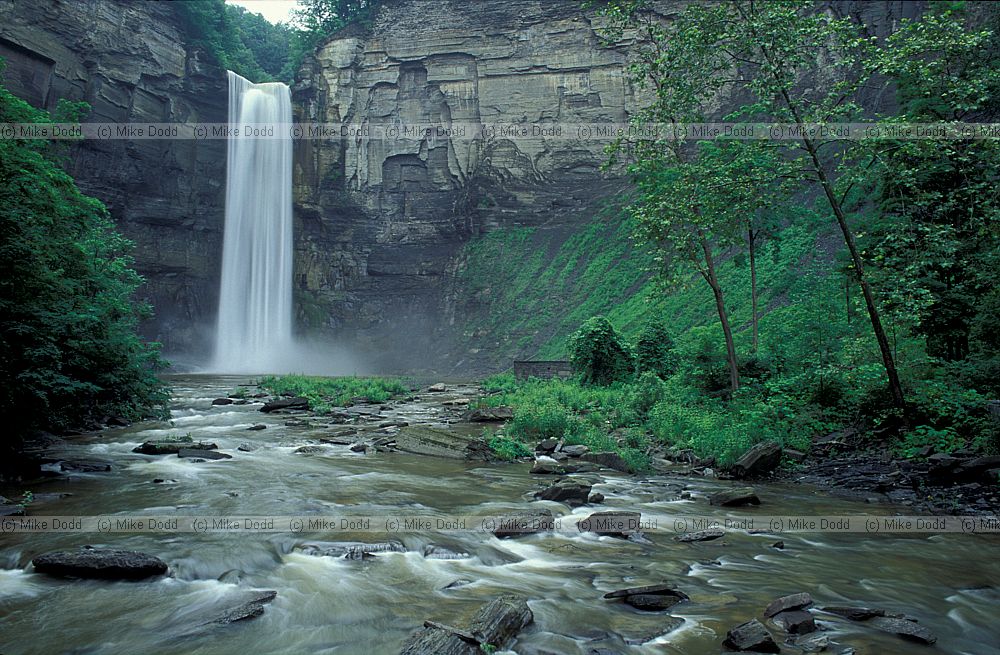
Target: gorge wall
[[131, 62], [381, 223], [386, 231], [385, 227]]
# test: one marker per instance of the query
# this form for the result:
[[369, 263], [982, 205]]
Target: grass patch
[[325, 393]]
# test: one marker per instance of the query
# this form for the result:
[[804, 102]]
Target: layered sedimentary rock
[[381, 222], [131, 62]]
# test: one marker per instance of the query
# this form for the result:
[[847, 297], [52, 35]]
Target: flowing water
[[327, 604], [255, 302]]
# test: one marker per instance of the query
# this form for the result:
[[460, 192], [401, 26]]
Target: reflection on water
[[334, 605]]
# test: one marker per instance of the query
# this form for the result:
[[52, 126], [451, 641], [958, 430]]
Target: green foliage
[[654, 350], [325, 393], [235, 37], [508, 449], [68, 321], [499, 383], [536, 421], [599, 354], [922, 436], [320, 19]]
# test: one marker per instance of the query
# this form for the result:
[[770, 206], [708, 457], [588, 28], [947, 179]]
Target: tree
[[69, 349], [318, 19], [695, 198], [934, 241], [654, 350], [599, 354], [763, 54]]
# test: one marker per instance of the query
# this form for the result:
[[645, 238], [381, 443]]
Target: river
[[327, 604]]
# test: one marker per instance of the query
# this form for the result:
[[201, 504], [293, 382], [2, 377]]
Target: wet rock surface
[[101, 564]]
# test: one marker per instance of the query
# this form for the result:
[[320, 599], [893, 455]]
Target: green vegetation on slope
[[68, 339]]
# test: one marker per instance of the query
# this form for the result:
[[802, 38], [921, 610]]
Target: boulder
[[796, 622], [440, 387], [758, 461], [295, 402], [492, 628], [222, 401], [608, 460], [596, 498], [491, 414], [734, 497], [813, 643], [575, 450], [545, 465], [570, 492], [247, 447], [547, 446], [202, 454], [651, 602], [308, 450], [171, 446], [651, 598], [250, 609], [517, 524], [702, 535], [257, 426], [908, 630], [796, 456], [85, 466], [855, 613], [101, 564], [751, 636], [787, 603], [612, 524]]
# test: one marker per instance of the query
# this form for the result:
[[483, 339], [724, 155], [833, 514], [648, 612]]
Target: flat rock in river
[[252, 608], [734, 497], [909, 630], [702, 535], [296, 402], [570, 492], [102, 564], [436, 442], [492, 628], [786, 603], [202, 454], [751, 636], [516, 524]]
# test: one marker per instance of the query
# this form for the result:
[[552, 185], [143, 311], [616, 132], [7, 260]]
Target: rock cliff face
[[130, 61], [382, 221]]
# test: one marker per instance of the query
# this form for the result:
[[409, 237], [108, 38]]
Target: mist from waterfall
[[254, 329]]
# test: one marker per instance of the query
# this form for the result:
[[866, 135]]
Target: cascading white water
[[254, 330]]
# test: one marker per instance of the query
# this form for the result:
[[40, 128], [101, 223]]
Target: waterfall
[[254, 327]]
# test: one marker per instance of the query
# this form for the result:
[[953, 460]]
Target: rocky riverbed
[[580, 558]]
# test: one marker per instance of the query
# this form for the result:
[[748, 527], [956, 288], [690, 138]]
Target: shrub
[[600, 354], [647, 392], [547, 420], [655, 351], [508, 449]]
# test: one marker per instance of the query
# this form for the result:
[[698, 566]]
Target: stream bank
[[330, 601]]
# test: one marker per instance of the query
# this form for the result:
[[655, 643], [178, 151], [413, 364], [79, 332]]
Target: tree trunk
[[753, 285], [720, 305], [898, 400]]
